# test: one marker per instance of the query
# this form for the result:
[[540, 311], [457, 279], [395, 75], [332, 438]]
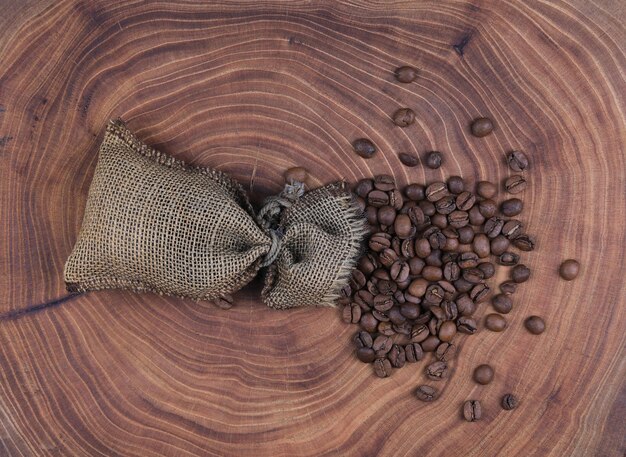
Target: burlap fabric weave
[[154, 223]]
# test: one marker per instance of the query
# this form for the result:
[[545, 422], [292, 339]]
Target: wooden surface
[[253, 88]]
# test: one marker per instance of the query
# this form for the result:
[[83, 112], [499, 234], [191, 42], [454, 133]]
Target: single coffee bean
[[465, 201], [417, 288], [395, 316], [458, 219], [520, 273], [382, 367], [466, 325], [456, 184], [361, 203], [447, 331], [502, 303], [436, 191], [404, 117], [402, 226], [450, 310], [384, 183], [371, 215], [382, 344], [426, 393], [352, 313], [416, 265], [434, 294], [486, 189], [395, 199], [439, 220], [517, 160], [364, 187], [499, 245], [437, 370], [483, 374], [430, 343], [437, 240], [416, 215], [511, 207], [569, 269], [413, 352], [465, 305], [488, 269], [495, 322], [445, 205], [386, 215], [475, 217], [224, 302], [445, 352], [512, 229], [406, 74], [358, 280], [383, 303], [473, 275], [419, 333], [409, 160], [508, 287], [515, 184], [508, 259], [427, 207], [524, 242], [479, 292], [397, 356], [472, 411], [414, 192], [410, 310], [365, 355], [364, 147], [482, 127], [363, 340], [434, 159], [481, 245], [467, 260], [378, 198], [466, 234], [487, 208], [451, 271], [295, 174], [368, 322], [493, 227], [431, 273], [535, 325], [509, 402]]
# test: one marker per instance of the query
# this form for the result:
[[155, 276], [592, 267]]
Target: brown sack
[[153, 223]]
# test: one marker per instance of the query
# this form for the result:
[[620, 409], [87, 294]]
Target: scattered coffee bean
[[508, 259], [363, 340], [483, 374], [515, 184], [445, 352], [456, 185], [413, 352], [404, 117], [366, 355], [517, 160], [486, 189], [508, 287], [426, 393], [502, 303], [495, 322], [472, 410], [397, 356], [512, 207], [520, 273], [499, 245], [382, 367], [437, 370], [512, 228], [364, 147], [447, 331], [509, 402], [569, 269], [430, 343], [524, 242], [295, 174], [535, 325], [409, 160], [406, 74], [482, 126], [466, 325], [434, 159]]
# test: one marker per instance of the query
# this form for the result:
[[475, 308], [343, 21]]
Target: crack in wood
[[16, 313]]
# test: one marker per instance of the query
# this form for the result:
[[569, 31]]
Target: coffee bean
[[431, 273], [512, 229], [439, 220], [447, 331], [472, 411], [493, 227], [406, 74], [430, 343], [419, 333], [365, 355], [382, 344], [473, 275], [402, 226], [509, 402], [436, 191], [351, 313], [499, 245], [364, 187], [475, 217], [502, 303], [456, 184], [404, 117], [383, 303], [395, 199], [482, 127], [382, 367], [487, 208], [409, 160], [486, 189], [479, 292], [434, 159], [437, 240], [467, 260], [511, 207], [488, 269], [445, 352], [437, 370], [535, 325], [413, 352], [517, 160], [410, 310], [465, 201], [483, 374], [495, 322], [426, 393], [414, 192], [371, 215], [524, 242], [515, 184], [450, 310], [396, 316], [397, 356], [224, 302], [569, 269], [295, 174], [466, 234], [508, 259], [364, 147], [465, 305], [386, 215], [520, 273], [481, 245], [417, 288], [445, 205], [427, 207], [508, 287], [358, 280], [384, 183], [378, 198], [363, 340], [451, 271], [466, 325], [368, 322]]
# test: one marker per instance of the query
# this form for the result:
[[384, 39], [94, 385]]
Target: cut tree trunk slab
[[253, 88]]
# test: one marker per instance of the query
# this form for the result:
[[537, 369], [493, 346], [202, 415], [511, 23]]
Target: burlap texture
[[153, 223]]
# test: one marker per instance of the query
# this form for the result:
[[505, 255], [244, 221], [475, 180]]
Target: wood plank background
[[252, 88]]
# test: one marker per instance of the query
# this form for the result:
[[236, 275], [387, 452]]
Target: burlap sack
[[153, 223]]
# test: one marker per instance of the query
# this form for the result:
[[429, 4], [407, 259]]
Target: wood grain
[[253, 88]]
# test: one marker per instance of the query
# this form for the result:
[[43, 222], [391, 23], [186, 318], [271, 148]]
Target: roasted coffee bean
[[295, 174], [371, 214], [378, 198], [450, 232], [386, 215], [352, 313], [402, 226], [515, 184], [426, 393], [509, 402], [511, 207], [482, 126], [499, 245], [395, 199], [508, 259], [368, 322], [458, 219], [413, 352], [466, 235], [430, 343], [445, 352], [520, 273], [466, 325], [414, 192], [224, 302], [364, 187], [524, 242], [383, 303], [406, 74], [495, 322], [450, 310], [462, 285], [432, 273], [448, 288], [455, 184], [434, 294], [449, 257], [437, 240], [483, 374], [451, 271], [416, 265], [399, 295], [381, 273], [487, 208], [382, 367], [364, 147], [502, 303], [417, 288], [479, 292], [409, 160], [493, 227], [465, 201], [508, 287], [410, 310], [437, 370], [358, 279], [465, 305], [416, 215], [512, 229], [427, 207], [386, 328], [365, 355], [488, 269], [468, 260], [569, 269], [397, 356], [535, 325], [473, 275], [434, 159], [439, 220], [379, 241], [363, 340], [382, 344], [399, 271], [395, 316], [517, 160], [447, 331], [486, 189], [472, 411], [404, 117], [384, 182], [424, 318], [480, 245], [387, 287], [407, 248], [475, 217], [419, 333], [436, 191], [361, 203], [396, 244], [445, 205]]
